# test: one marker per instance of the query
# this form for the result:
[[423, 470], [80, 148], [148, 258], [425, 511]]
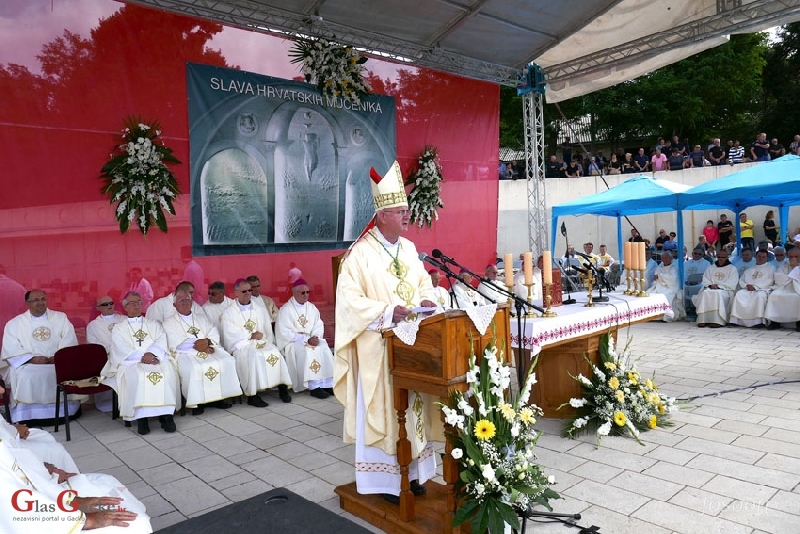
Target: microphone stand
[[570, 282]]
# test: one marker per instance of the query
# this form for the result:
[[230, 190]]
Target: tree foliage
[[781, 85]]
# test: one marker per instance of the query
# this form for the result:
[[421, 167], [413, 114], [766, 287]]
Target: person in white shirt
[[30, 341], [667, 282], [207, 371], [492, 288], [216, 303], [141, 370], [299, 335], [465, 294], [751, 300]]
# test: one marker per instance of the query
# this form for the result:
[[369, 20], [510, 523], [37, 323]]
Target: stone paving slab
[[731, 462]]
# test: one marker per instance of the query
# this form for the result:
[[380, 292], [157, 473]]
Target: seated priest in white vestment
[[216, 303], [783, 304], [521, 290], [381, 279], [141, 370], [746, 261], [40, 442], [99, 331], [465, 294], [750, 301], [247, 333], [164, 307], [492, 289], [667, 282], [207, 372], [780, 263], [42, 497], [29, 342], [441, 295], [262, 299], [298, 334], [713, 302]]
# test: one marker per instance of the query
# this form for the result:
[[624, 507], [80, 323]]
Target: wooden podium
[[435, 364]]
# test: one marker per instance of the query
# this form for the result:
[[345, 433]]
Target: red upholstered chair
[[6, 400], [78, 363]]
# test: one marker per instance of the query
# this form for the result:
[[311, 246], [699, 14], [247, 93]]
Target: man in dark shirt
[[553, 168], [641, 162], [675, 161], [776, 149], [662, 236], [760, 148], [697, 157], [716, 154], [566, 150], [725, 229]]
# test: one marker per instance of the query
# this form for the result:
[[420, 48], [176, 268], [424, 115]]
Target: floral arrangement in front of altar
[[493, 440], [425, 197], [337, 71], [138, 179], [617, 400]]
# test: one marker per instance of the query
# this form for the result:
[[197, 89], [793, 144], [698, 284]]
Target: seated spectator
[[299, 334], [783, 304], [675, 161], [716, 154], [641, 162], [736, 153], [711, 234], [766, 246], [697, 158], [670, 244], [29, 342], [746, 261], [573, 170], [635, 236], [662, 236], [776, 149], [702, 243], [697, 264], [713, 302], [750, 301], [667, 283], [659, 161]]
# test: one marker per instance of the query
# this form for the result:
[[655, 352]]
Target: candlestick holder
[[510, 300], [530, 312], [589, 285], [642, 292], [628, 278], [548, 299]]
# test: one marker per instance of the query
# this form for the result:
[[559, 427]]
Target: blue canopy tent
[[637, 196], [775, 183]]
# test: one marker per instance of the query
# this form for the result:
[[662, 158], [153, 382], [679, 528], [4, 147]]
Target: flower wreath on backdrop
[[137, 178], [425, 196], [336, 70]]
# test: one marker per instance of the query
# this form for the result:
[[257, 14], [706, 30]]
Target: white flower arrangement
[[617, 400], [137, 177], [337, 71], [493, 440], [425, 197]]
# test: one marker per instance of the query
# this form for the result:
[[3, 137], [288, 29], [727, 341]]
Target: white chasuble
[[783, 304], [309, 367], [466, 296], [714, 305], [33, 386], [205, 376], [259, 363], [666, 282], [99, 330], [144, 390], [375, 277], [749, 306], [41, 443]]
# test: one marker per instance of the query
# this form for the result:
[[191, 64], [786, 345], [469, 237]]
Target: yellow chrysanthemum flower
[[653, 421], [507, 410], [611, 366], [620, 395], [649, 383], [633, 378], [484, 430], [661, 409], [526, 415], [613, 383], [620, 419]]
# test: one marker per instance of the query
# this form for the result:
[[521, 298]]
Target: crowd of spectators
[[670, 155]]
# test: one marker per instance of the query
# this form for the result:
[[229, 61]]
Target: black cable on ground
[[718, 393]]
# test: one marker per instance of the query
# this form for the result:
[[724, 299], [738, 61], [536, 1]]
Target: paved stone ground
[[730, 464]]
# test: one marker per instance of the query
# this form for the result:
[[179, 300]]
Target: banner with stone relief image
[[276, 167]]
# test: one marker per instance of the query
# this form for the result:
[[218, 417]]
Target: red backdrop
[[74, 72]]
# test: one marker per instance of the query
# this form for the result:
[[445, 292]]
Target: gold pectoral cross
[[302, 320], [250, 326], [139, 336], [193, 330]]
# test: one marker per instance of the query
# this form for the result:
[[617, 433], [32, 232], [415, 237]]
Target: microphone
[[427, 259], [587, 258], [438, 255]]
